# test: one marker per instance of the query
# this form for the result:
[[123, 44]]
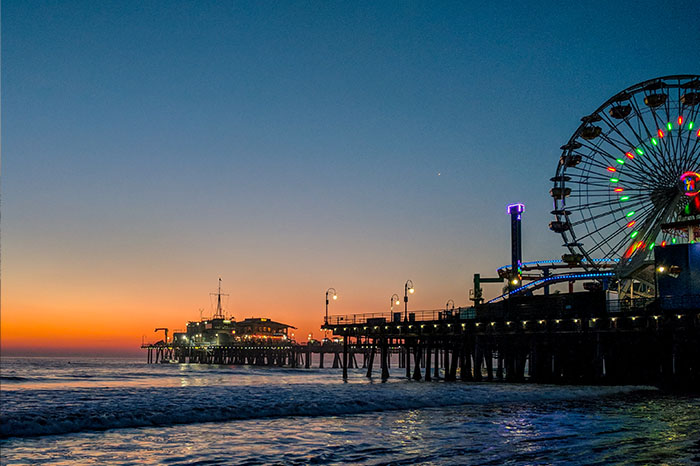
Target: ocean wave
[[13, 378], [55, 412]]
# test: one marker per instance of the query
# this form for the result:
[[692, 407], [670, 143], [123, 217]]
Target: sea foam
[[53, 412]]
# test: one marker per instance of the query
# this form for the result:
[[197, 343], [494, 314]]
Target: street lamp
[[335, 296], [408, 288], [394, 301]]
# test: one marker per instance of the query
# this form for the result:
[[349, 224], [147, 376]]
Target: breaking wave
[[55, 412]]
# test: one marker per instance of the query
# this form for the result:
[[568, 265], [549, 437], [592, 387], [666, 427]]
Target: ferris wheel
[[628, 171]]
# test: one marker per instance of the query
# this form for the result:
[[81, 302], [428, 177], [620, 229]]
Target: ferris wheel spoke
[[630, 148], [612, 169], [643, 164], [660, 161], [605, 177], [593, 149], [691, 155], [614, 242], [621, 232], [607, 202], [627, 218]]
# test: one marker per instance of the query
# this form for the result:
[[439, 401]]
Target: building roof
[[257, 320]]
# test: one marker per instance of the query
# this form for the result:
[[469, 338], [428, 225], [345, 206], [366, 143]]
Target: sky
[[149, 148]]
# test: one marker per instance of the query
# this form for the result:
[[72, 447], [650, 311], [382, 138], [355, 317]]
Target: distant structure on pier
[[222, 330]]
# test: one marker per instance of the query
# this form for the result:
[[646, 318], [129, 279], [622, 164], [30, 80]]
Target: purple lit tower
[[516, 244]]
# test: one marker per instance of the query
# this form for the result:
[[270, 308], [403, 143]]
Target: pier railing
[[411, 316], [562, 306]]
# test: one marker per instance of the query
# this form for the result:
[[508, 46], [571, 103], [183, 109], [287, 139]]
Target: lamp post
[[335, 296], [394, 300], [448, 308], [408, 288]]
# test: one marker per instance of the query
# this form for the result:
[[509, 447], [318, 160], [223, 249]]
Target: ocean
[[123, 411]]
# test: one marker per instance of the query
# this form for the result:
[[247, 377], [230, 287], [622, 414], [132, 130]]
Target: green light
[[639, 151], [654, 141], [629, 214], [669, 126], [651, 246], [690, 125], [614, 180], [620, 161], [673, 240], [624, 198], [634, 233]]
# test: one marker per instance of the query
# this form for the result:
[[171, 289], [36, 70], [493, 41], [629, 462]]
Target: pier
[[569, 338], [631, 244], [327, 354], [576, 338]]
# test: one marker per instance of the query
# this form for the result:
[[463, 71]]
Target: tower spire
[[219, 312]]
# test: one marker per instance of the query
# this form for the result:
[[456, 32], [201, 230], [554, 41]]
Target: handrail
[[612, 306], [414, 316]]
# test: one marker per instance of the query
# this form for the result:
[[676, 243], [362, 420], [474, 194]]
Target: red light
[[618, 190], [663, 244], [680, 120], [631, 224], [611, 169], [630, 155], [661, 133]]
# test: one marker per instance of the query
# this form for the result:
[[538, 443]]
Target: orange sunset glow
[[106, 306]]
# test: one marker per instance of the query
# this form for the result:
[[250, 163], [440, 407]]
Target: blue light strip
[[558, 261], [574, 276]]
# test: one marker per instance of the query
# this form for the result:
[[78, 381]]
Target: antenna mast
[[219, 313]]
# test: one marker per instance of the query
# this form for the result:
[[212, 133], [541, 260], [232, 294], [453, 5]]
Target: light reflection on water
[[494, 424], [613, 431], [463, 435]]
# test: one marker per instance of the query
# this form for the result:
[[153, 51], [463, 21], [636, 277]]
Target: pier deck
[[568, 338]]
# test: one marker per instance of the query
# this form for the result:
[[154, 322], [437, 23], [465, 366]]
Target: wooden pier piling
[[564, 339]]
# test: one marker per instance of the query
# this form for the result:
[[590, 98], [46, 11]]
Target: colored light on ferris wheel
[[618, 190], [631, 224], [630, 155], [654, 141], [639, 151], [690, 182], [669, 126], [680, 120], [620, 161], [624, 198], [661, 133], [612, 169]]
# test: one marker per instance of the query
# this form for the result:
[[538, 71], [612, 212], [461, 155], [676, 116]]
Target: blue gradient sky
[[150, 147]]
